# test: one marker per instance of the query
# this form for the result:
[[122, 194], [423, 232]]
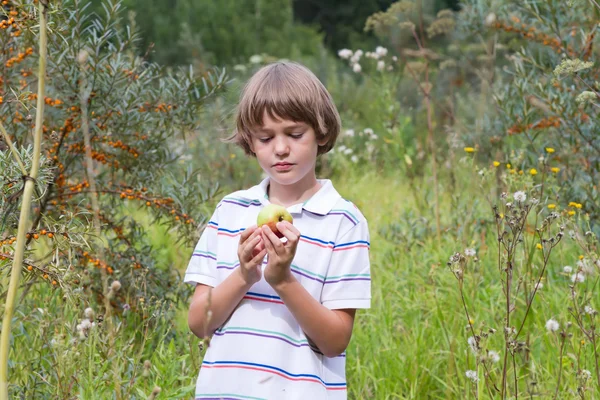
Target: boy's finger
[[291, 227], [268, 243], [257, 260], [271, 237], [246, 233], [249, 247], [287, 232]]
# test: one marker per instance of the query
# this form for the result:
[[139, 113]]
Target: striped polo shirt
[[261, 351]]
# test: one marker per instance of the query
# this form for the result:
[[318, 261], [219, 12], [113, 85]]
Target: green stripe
[[347, 276], [347, 212], [228, 395], [308, 272], [231, 263], [241, 200], [205, 252], [328, 278], [241, 328]]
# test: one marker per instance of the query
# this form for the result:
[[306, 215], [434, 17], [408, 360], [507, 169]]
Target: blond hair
[[286, 90]]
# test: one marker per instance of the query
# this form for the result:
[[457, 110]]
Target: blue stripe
[[351, 243], [230, 231], [213, 223], [266, 296], [317, 240], [276, 369]]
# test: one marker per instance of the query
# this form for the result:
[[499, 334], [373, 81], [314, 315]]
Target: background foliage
[[463, 122]]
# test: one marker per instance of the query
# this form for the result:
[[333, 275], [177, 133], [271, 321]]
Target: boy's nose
[[281, 146]]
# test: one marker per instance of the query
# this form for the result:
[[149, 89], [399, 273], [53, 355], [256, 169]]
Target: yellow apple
[[271, 214]]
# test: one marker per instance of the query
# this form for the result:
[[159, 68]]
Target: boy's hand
[[251, 253], [280, 254]]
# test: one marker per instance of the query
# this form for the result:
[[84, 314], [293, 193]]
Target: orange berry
[[36, 236], [29, 268], [43, 232], [50, 235]]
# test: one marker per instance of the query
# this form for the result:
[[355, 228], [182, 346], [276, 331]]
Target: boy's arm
[[330, 330], [224, 298]]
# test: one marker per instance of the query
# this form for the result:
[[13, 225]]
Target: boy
[[281, 310]]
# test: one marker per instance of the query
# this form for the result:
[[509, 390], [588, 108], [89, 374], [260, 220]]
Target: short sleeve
[[202, 267], [348, 280]]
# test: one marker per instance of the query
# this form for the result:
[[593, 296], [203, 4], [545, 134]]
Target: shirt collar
[[320, 203]]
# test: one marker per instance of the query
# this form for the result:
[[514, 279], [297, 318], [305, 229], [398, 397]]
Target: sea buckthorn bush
[[543, 109], [137, 113]]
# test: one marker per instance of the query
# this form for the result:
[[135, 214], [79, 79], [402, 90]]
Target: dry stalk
[[29, 185]]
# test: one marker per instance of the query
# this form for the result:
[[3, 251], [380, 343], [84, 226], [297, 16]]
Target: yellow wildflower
[[469, 149], [581, 257], [520, 172], [539, 246], [533, 171], [552, 206], [549, 150], [501, 215], [555, 170], [578, 205], [571, 213], [508, 165], [572, 204], [496, 163]]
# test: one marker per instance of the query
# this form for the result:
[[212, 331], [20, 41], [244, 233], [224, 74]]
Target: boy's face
[[286, 150]]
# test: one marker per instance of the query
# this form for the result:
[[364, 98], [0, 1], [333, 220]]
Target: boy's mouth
[[282, 166]]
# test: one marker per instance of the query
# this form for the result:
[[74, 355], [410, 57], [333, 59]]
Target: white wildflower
[[520, 196], [380, 65], [567, 269], [493, 356], [539, 285], [578, 277], [589, 310], [381, 51], [345, 53], [256, 59], [368, 131], [354, 159], [349, 132], [85, 324], [552, 325], [348, 151], [356, 68], [585, 374], [472, 344], [470, 252], [89, 313], [490, 19], [472, 375]]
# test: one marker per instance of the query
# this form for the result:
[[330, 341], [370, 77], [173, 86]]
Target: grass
[[412, 343]]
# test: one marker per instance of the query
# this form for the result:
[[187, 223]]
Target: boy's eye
[[297, 135], [264, 140]]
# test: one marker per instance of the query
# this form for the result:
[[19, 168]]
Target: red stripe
[[316, 244], [351, 247], [275, 373], [229, 234], [265, 300], [213, 227]]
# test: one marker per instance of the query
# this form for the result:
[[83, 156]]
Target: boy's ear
[[322, 140]]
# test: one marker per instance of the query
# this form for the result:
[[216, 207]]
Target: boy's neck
[[288, 195]]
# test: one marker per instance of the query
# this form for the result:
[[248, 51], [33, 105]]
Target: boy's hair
[[286, 90]]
